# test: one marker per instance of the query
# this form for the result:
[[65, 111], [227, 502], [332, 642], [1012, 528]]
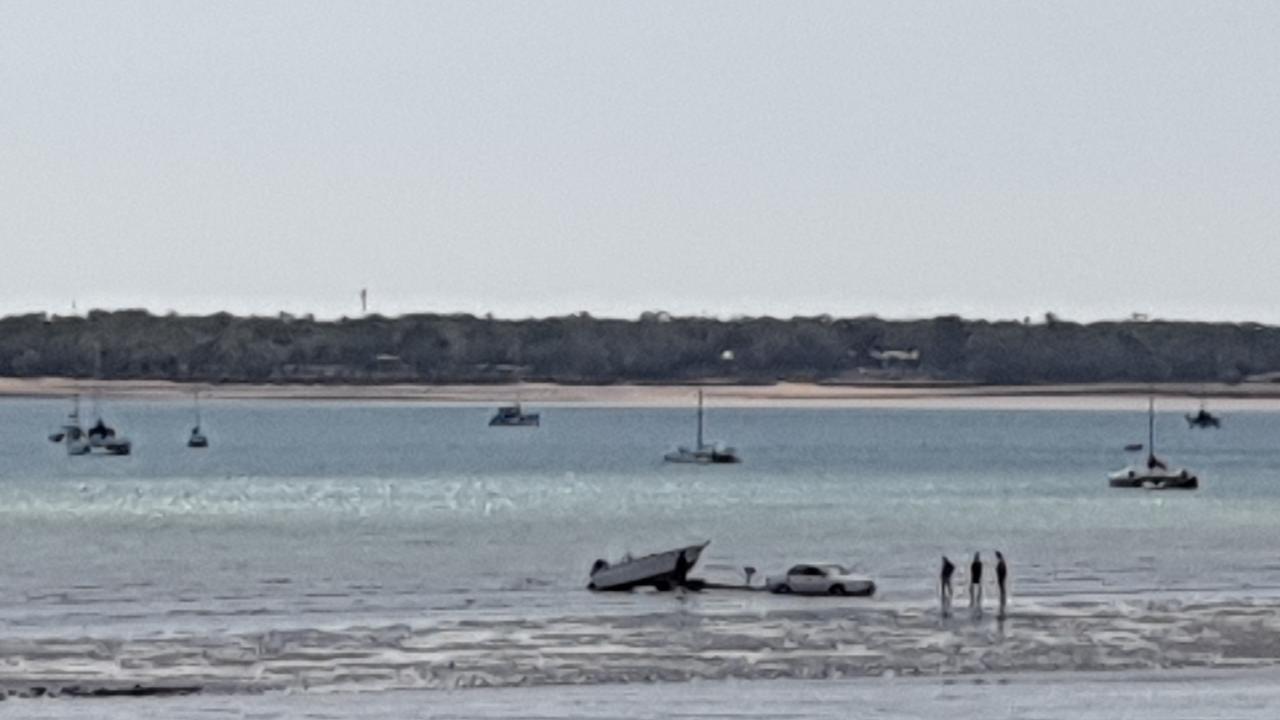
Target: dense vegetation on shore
[[133, 344]]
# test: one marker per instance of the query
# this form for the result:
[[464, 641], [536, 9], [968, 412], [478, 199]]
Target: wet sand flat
[[833, 640], [1171, 695]]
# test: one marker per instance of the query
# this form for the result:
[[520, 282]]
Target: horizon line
[[661, 316]]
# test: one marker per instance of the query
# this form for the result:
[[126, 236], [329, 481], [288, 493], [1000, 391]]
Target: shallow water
[[342, 516]]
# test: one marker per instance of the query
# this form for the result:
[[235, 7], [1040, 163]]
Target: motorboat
[[703, 453], [1154, 474], [514, 416], [662, 571], [1203, 419]]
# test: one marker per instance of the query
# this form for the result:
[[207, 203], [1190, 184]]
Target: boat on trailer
[[662, 571]]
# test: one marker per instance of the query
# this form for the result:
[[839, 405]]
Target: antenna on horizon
[[364, 301]]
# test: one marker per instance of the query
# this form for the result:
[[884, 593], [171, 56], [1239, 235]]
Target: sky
[[906, 159]]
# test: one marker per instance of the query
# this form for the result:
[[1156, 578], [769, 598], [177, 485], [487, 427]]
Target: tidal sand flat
[[849, 640]]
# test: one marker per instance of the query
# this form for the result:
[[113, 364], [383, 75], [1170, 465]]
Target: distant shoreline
[[1108, 396]]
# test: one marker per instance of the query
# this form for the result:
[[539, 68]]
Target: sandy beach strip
[[1118, 396]]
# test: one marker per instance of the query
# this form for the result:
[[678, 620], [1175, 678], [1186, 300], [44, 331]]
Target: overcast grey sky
[[993, 159]]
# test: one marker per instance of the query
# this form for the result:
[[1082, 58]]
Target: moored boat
[[1203, 419], [197, 438], [514, 416], [702, 453], [1155, 474], [103, 437], [1158, 477], [100, 437]]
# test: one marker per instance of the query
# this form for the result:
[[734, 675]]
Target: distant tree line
[[133, 344]]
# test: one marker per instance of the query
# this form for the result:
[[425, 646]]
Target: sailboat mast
[[699, 419], [1151, 426]]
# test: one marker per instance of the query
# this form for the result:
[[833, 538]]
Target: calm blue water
[[314, 514]]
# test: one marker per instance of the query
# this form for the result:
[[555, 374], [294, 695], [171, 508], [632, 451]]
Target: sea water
[[422, 537]]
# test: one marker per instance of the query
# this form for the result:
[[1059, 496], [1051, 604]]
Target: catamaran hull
[[114, 448], [664, 570], [1154, 481], [701, 458]]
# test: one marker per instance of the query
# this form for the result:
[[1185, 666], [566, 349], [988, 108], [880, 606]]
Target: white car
[[821, 579]]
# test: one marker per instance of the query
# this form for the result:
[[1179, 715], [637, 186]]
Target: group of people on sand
[[975, 584]]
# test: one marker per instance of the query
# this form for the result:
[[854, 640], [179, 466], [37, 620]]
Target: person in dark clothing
[[948, 568], [1002, 579], [975, 584]]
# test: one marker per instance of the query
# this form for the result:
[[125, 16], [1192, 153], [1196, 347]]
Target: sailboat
[[71, 432], [99, 436], [1154, 474], [197, 438], [702, 453]]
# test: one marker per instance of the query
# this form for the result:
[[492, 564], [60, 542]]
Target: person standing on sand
[[948, 568], [1002, 579], [975, 585]]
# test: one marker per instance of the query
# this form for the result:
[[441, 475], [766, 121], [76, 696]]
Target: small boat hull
[[706, 456], [112, 446], [514, 416], [530, 420], [663, 571], [1148, 480]]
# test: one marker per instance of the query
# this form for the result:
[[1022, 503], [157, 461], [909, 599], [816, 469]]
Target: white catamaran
[[702, 453], [1154, 474]]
